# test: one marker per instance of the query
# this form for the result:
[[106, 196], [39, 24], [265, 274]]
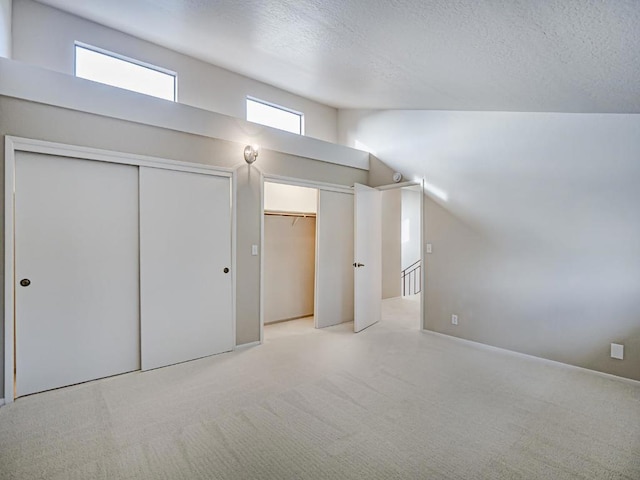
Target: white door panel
[[368, 256], [185, 239], [334, 270], [76, 240]]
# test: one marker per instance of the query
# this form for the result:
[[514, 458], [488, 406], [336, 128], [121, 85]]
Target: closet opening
[[289, 259]]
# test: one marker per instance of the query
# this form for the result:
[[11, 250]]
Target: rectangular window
[[274, 116], [118, 71]]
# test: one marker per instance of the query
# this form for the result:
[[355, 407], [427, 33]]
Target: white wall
[[5, 28], [535, 225], [45, 36], [411, 222], [290, 198]]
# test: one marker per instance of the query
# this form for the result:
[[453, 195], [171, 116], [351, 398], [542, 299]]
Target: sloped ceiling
[[511, 55]]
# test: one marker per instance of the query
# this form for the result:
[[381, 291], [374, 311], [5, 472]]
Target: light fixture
[[250, 153], [397, 176]]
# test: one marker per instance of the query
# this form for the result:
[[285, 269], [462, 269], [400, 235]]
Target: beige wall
[[289, 267], [535, 225], [379, 173], [45, 36], [391, 247], [33, 120]]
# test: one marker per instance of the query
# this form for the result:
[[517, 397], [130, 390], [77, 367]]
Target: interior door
[[76, 271], [334, 256], [186, 283], [368, 257]]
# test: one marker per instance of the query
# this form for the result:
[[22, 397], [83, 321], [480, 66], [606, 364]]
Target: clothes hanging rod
[[291, 214]]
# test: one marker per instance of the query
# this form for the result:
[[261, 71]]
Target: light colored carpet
[[388, 403]]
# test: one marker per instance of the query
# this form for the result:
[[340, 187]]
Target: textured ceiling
[[517, 55]]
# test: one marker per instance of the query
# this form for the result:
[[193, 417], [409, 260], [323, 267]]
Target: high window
[[274, 116], [112, 69]]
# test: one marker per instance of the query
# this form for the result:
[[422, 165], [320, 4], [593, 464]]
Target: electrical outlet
[[454, 319], [429, 248], [617, 351]]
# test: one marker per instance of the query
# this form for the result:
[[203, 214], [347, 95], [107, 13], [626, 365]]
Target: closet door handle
[[358, 265], [25, 282], [226, 270]]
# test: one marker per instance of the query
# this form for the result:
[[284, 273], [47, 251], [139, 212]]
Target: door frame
[[423, 269], [296, 182], [18, 144]]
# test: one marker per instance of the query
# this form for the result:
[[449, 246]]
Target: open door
[[368, 257], [334, 255]]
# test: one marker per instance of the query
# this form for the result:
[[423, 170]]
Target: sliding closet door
[[76, 271], [334, 269], [186, 285]]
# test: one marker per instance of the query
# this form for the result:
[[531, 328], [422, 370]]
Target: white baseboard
[[248, 345], [484, 346]]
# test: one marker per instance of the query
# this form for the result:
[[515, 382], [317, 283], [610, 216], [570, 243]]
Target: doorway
[[402, 259], [307, 244], [289, 258], [385, 287]]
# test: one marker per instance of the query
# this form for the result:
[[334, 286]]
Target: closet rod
[[291, 214]]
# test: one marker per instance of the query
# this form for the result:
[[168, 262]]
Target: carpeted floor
[[388, 403]]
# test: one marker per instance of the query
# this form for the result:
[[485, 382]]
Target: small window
[[118, 71], [274, 116]]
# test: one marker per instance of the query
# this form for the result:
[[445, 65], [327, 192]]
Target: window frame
[[299, 114], [124, 58]]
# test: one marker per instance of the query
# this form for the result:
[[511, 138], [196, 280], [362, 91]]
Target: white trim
[[18, 144], [234, 258], [484, 346], [89, 153], [119, 56], [317, 262], [423, 259], [392, 186], [298, 182], [261, 253], [9, 269], [248, 345]]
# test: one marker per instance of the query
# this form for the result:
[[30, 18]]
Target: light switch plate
[[429, 248], [254, 250], [617, 351]]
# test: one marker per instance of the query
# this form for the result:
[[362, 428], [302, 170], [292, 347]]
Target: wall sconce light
[[250, 153]]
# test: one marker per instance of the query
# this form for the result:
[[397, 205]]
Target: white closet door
[[76, 237], [368, 256], [185, 245], [334, 259]]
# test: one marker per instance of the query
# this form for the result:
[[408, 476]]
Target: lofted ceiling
[[511, 55]]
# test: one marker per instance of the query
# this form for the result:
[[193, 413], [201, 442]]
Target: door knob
[[25, 282], [226, 270], [358, 265]]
